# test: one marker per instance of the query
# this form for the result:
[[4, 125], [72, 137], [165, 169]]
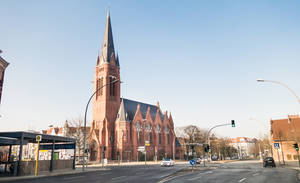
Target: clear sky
[[200, 59]]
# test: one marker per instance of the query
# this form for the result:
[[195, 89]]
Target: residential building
[[285, 133], [244, 146]]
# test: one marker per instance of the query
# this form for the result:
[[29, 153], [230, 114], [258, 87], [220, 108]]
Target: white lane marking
[[255, 174], [200, 175], [104, 173], [170, 178], [242, 179], [68, 178], [114, 178]]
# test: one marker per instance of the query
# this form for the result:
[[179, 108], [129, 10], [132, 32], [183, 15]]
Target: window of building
[[168, 138], [112, 87], [150, 137], [159, 138], [101, 85]]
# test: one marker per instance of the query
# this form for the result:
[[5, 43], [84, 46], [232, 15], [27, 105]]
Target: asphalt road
[[132, 174], [242, 171]]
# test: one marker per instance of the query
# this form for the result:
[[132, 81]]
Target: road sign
[[141, 148], [147, 143], [192, 162], [38, 138], [276, 145]]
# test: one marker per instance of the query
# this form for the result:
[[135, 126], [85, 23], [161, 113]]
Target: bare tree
[[74, 128]]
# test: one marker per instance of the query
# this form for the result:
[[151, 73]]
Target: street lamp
[[86, 108], [282, 84], [292, 91]]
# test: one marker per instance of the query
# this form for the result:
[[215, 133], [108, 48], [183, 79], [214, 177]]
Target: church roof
[[108, 50], [3, 63], [128, 109]]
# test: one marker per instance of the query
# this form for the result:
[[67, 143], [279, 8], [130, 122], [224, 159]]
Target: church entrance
[[93, 151]]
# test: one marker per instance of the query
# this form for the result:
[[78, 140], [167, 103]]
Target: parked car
[[269, 161], [167, 162], [198, 160]]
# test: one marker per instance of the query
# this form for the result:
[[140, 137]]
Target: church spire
[[107, 49]]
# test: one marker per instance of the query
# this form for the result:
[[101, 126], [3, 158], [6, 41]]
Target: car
[[167, 162], [198, 160], [269, 161]]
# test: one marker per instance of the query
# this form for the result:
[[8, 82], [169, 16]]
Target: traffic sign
[[147, 143], [276, 145], [141, 148], [38, 138], [192, 162]]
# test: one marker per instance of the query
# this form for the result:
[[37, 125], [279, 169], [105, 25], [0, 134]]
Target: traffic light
[[232, 123], [296, 146]]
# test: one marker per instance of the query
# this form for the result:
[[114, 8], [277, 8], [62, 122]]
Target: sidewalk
[[293, 165], [54, 173]]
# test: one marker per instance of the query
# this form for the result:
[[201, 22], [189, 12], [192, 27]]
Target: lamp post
[[292, 91], [86, 108], [282, 84]]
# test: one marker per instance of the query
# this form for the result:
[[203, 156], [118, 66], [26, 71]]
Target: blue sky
[[200, 59]]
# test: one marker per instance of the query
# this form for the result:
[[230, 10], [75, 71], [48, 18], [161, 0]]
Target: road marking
[[255, 174], [209, 172], [170, 178], [104, 174], [68, 178], [242, 179], [114, 178]]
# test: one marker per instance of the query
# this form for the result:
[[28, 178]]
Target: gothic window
[[97, 87], [166, 129], [148, 127], [138, 128], [101, 85], [159, 138], [150, 137], [157, 129], [112, 87], [168, 138]]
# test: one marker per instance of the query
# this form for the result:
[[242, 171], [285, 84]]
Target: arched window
[[112, 87], [157, 128], [138, 128], [166, 129]]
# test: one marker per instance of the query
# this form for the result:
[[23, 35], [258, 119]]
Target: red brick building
[[285, 132], [120, 125]]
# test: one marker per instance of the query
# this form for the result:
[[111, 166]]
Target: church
[[120, 126]]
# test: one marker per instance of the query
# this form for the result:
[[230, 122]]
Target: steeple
[[108, 43]]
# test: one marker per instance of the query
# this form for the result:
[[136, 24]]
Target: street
[[240, 171], [139, 173]]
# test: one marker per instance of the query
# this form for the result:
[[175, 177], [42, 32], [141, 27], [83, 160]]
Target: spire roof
[[108, 43]]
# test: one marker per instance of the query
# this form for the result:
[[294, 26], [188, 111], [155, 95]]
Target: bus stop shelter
[[48, 142]]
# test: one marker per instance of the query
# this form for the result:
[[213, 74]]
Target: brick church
[[120, 125]]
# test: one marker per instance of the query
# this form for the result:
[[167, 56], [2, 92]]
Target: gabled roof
[[128, 109]]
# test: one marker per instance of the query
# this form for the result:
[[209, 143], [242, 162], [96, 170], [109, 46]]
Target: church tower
[[107, 99]]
